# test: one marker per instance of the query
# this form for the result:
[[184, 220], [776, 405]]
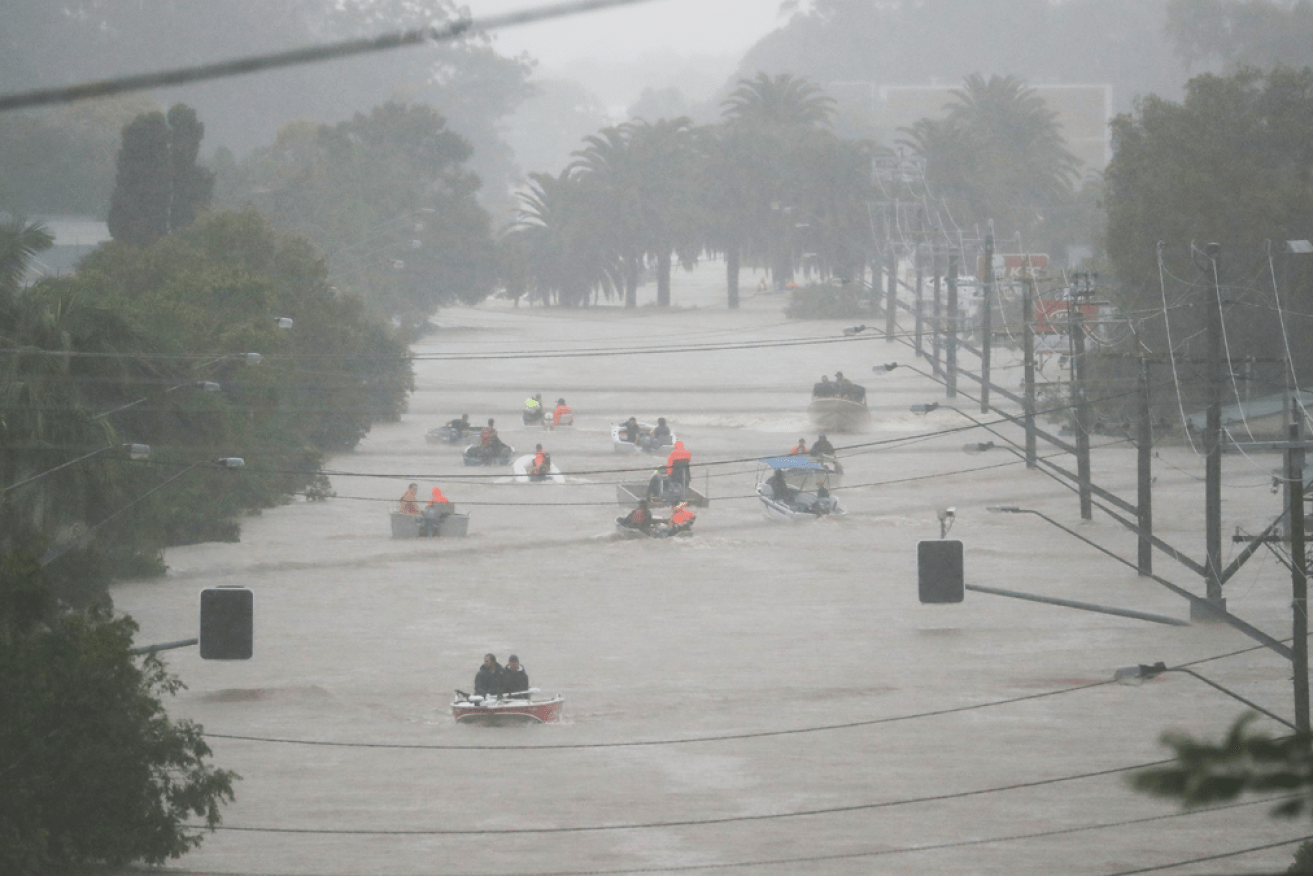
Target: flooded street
[[758, 698]]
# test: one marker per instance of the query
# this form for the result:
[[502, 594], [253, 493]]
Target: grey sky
[[695, 27]]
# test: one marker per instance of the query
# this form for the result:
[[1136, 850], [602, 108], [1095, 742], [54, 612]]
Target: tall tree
[[191, 185], [1241, 33], [95, 771], [139, 206], [998, 154]]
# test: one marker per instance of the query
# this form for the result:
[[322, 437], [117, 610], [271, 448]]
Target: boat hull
[[524, 465], [620, 445], [838, 414], [504, 712], [629, 494], [471, 458]]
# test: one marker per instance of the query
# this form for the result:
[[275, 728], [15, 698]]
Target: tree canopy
[[94, 769]]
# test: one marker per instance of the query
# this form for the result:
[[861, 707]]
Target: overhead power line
[[306, 55]]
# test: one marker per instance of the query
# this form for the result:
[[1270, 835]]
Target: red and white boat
[[474, 709]]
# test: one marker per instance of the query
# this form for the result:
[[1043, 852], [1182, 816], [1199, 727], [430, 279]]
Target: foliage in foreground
[[1206, 773], [94, 771]]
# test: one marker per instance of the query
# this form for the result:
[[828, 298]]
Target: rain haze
[[870, 426]]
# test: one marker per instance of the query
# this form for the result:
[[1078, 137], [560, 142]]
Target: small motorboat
[[644, 444], [523, 468], [804, 493], [448, 434], [659, 529], [475, 709], [417, 526], [532, 416], [667, 493], [837, 414], [474, 456]]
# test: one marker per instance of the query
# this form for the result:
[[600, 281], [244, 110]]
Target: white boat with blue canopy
[[795, 488]]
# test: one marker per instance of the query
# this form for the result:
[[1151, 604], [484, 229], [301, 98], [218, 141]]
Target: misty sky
[[695, 27]]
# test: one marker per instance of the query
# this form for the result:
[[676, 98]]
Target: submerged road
[[759, 698]]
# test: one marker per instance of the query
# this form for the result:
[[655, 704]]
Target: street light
[[1142, 672], [1195, 601], [202, 385], [247, 358]]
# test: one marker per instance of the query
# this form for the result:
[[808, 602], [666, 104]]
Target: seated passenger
[[780, 489], [660, 434], [533, 409], [822, 447], [542, 463], [639, 518], [410, 500], [824, 389], [487, 682], [562, 416], [462, 425], [681, 518], [630, 431], [514, 679], [490, 446], [799, 449], [437, 509]]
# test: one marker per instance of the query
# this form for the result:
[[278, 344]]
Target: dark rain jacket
[[488, 681], [514, 681]]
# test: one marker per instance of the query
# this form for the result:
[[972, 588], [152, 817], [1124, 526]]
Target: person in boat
[[533, 409], [681, 518], [462, 425], [660, 433], [514, 680], [822, 447], [631, 430], [562, 414], [677, 465], [410, 500], [780, 489], [824, 389], [799, 449], [542, 462], [438, 508], [639, 518], [488, 680], [490, 446], [845, 388], [655, 484]]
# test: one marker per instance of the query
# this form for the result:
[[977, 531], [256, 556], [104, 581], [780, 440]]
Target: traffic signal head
[[227, 620], [939, 573]]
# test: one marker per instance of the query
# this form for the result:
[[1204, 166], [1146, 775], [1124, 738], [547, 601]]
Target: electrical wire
[[1171, 352], [697, 822], [844, 856], [307, 55]]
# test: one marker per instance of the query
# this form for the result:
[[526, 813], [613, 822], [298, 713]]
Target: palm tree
[[667, 194], [781, 102], [606, 166], [560, 230], [20, 241], [998, 152]]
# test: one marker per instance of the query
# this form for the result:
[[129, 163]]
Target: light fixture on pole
[[1143, 671]]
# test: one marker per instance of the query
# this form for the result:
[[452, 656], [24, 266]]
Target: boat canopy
[[793, 462]]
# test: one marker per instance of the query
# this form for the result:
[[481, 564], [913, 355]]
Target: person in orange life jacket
[[437, 508], [681, 518], [677, 464], [542, 462], [562, 412], [410, 501], [800, 449], [639, 518]]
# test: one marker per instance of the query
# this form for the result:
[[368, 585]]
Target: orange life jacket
[[438, 498], [681, 515], [675, 455], [561, 412], [540, 460], [486, 436], [798, 450]]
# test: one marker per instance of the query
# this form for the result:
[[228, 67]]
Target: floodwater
[[749, 627]]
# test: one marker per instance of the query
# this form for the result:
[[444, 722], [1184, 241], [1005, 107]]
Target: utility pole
[[1144, 493], [920, 298], [950, 353], [891, 293], [1028, 356], [1076, 327], [986, 322], [1298, 572], [936, 341], [1213, 436]]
